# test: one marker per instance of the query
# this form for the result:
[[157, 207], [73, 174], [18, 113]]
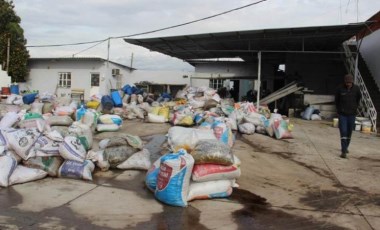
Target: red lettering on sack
[[164, 176]]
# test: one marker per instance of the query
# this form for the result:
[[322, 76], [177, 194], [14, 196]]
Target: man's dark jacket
[[347, 100]]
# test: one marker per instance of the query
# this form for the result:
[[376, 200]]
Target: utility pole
[[108, 51], [8, 54], [131, 60]]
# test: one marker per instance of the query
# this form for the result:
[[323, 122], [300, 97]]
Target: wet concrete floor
[[285, 184]]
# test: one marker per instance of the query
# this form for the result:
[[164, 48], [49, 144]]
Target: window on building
[[95, 79], [216, 83], [65, 80]]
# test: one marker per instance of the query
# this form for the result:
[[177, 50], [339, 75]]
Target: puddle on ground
[[257, 214], [59, 216], [9, 198], [174, 218]]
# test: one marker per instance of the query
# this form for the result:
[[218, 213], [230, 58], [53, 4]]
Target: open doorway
[[279, 77], [235, 89]]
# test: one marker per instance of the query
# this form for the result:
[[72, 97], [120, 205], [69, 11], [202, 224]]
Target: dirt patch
[[255, 147], [316, 170], [327, 199], [289, 156], [334, 200], [371, 160]]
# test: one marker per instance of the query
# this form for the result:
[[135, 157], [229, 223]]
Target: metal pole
[[8, 54], [107, 68], [131, 60], [108, 52], [356, 68], [258, 77]]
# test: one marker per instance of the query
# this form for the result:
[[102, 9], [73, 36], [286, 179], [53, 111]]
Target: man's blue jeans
[[346, 125]]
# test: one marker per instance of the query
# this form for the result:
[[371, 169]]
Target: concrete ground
[[285, 184]]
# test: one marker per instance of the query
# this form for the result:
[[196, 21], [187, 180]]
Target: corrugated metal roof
[[244, 44]]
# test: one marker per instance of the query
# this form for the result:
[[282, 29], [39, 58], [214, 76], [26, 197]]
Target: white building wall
[[44, 76], [159, 77], [5, 80], [199, 82], [370, 50]]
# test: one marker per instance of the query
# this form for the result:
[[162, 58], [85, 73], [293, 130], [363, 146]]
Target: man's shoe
[[343, 155]]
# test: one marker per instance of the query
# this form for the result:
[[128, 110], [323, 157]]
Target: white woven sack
[[77, 170], [107, 127], [72, 149], [83, 132], [9, 120], [60, 120], [45, 146], [14, 155], [247, 128], [3, 138], [37, 107], [139, 160], [152, 118], [210, 189], [180, 137], [7, 166], [22, 140], [98, 158], [23, 174]]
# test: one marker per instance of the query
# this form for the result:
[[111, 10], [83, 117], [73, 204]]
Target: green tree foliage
[[10, 28]]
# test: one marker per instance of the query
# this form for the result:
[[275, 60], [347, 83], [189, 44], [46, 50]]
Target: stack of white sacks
[[35, 145]]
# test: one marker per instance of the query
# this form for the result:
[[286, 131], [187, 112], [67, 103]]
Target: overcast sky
[[64, 21]]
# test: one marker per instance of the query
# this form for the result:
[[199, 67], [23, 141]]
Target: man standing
[[251, 95], [347, 100]]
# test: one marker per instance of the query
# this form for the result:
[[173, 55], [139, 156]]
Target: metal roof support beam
[[259, 78], [268, 51]]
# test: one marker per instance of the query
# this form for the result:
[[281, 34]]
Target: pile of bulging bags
[[123, 152], [28, 155], [248, 120], [32, 148], [199, 166]]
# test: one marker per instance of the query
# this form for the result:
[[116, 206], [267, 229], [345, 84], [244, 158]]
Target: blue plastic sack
[[117, 101], [127, 89], [80, 113], [198, 118], [15, 89], [107, 102], [166, 95], [173, 178], [152, 174], [29, 98]]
